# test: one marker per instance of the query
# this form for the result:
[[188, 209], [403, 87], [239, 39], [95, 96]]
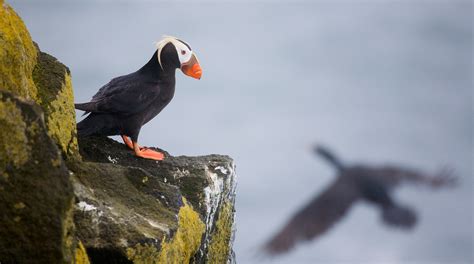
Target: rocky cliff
[[179, 210], [64, 200]]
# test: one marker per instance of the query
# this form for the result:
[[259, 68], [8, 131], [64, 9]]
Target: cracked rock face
[[178, 210]]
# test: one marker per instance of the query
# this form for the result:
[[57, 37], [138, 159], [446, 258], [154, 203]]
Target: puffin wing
[[125, 95], [393, 176], [316, 217]]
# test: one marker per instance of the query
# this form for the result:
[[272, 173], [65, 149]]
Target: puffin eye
[[183, 52]]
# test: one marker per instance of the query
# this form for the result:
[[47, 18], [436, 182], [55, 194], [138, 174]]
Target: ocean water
[[380, 82]]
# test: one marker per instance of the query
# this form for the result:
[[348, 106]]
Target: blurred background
[[380, 82]]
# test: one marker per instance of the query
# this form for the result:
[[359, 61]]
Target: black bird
[[354, 183], [126, 103]]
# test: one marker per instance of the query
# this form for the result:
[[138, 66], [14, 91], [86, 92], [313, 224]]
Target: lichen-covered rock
[[55, 95], [180, 248], [31, 74], [36, 195], [221, 236], [81, 256], [180, 210], [17, 55]]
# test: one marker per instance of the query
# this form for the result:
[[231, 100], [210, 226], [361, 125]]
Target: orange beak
[[192, 68]]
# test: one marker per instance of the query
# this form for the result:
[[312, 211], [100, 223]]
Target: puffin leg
[[147, 153], [127, 141]]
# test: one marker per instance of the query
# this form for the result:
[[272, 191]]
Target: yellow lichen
[[14, 147], [56, 162], [143, 254], [19, 205], [180, 248], [33, 128], [68, 233], [219, 247], [61, 119], [81, 255], [17, 55], [55, 95], [187, 239]]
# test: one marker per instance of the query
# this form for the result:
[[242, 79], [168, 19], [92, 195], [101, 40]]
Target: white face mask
[[183, 52]]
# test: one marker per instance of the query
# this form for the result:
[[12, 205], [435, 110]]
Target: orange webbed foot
[[147, 153]]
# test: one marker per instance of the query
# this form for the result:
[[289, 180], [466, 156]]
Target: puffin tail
[[89, 107], [91, 125], [399, 216], [86, 107], [327, 155]]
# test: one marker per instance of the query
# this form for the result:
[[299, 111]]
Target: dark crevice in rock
[[106, 255]]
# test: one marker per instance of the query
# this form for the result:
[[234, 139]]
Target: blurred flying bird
[[354, 183], [126, 103]]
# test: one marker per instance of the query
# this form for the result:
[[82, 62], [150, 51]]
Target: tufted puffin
[[354, 183], [126, 103]]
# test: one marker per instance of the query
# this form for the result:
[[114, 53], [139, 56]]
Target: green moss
[[220, 245], [56, 96], [14, 147], [180, 248], [17, 55]]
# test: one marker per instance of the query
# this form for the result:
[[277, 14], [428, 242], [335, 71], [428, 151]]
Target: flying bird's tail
[[399, 216], [282, 242], [329, 157]]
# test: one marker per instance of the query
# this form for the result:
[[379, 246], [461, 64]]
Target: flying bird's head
[[175, 53]]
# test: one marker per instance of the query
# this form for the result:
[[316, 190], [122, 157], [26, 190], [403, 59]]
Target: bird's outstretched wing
[[126, 95], [396, 175], [316, 217]]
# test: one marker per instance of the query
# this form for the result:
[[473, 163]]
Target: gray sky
[[379, 82]]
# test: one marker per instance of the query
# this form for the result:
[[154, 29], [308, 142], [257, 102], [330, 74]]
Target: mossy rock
[[148, 223], [55, 95], [112, 209], [17, 55], [36, 195], [222, 236], [34, 75], [178, 249]]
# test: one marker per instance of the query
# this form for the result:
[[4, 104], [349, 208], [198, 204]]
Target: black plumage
[[126, 103], [354, 183]]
